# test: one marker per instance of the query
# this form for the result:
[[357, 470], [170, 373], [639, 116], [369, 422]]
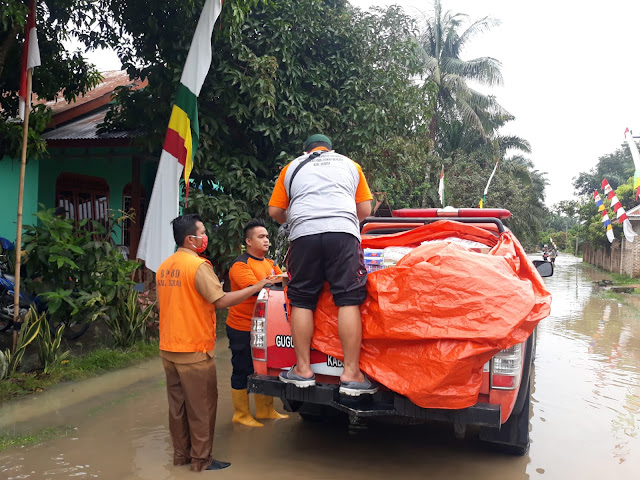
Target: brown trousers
[[193, 400]]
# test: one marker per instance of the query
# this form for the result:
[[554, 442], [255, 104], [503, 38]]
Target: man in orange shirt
[[248, 269], [188, 294], [323, 196]]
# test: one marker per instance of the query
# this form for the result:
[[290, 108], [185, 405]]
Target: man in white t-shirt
[[323, 196]]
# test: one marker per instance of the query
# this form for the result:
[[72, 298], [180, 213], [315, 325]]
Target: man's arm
[[278, 214], [234, 298], [363, 209]]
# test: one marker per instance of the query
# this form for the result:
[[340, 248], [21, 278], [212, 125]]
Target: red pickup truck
[[502, 408]]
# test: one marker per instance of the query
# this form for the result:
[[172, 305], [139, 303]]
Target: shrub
[[77, 271], [128, 322], [48, 346]]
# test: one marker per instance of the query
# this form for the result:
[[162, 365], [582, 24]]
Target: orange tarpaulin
[[431, 322]]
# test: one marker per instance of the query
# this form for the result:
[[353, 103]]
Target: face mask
[[205, 242]]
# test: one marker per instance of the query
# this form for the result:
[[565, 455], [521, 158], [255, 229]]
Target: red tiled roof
[[95, 98]]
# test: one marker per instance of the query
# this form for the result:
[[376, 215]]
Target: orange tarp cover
[[431, 322]]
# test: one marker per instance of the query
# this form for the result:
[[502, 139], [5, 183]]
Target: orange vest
[[187, 320]]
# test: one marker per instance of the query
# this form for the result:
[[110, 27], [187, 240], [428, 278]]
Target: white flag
[[180, 143], [441, 186]]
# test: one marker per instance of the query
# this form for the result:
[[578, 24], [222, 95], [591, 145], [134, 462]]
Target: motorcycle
[[7, 306], [72, 331]]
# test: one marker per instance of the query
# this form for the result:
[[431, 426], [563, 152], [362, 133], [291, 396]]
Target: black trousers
[[240, 346]]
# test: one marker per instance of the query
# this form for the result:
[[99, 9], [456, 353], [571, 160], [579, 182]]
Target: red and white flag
[[629, 233], [30, 58]]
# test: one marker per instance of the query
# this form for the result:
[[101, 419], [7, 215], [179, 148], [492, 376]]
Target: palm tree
[[442, 44]]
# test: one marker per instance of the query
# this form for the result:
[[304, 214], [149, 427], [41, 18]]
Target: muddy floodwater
[[585, 417]]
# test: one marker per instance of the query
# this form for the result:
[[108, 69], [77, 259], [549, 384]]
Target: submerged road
[[585, 417]]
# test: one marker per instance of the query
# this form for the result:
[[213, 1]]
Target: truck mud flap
[[383, 403]]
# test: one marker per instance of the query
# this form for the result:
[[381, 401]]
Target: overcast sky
[[570, 78]]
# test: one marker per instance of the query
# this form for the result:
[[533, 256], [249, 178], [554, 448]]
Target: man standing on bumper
[[247, 270], [188, 294], [323, 195]]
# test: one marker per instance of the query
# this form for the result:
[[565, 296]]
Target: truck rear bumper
[[382, 404]]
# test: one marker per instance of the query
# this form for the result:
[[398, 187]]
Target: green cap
[[317, 138]]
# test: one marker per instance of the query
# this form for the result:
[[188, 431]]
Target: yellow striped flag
[[180, 144]]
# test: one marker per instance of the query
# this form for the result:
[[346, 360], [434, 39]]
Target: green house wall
[[114, 165], [9, 186], [116, 171]]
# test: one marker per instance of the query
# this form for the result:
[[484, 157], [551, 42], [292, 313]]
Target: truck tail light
[[259, 330], [506, 368]]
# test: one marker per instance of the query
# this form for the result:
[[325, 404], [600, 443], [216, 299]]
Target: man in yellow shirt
[[188, 294], [248, 269]]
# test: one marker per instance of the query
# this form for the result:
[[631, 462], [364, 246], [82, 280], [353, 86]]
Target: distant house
[[87, 173]]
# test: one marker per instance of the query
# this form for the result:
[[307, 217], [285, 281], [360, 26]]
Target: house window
[[127, 206], [83, 197]]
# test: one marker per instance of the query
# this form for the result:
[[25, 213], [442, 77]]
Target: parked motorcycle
[[72, 329], [7, 290]]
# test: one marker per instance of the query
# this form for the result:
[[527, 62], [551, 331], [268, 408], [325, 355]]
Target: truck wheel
[[314, 413], [513, 436], [311, 417]]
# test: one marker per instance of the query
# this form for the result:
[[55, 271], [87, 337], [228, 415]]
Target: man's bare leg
[[350, 332], [301, 334]]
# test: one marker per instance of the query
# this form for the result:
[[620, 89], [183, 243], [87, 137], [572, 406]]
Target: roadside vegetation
[[8, 440], [578, 221], [76, 367], [80, 280]]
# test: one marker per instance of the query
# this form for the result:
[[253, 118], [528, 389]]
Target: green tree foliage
[[616, 167], [286, 70], [580, 218], [57, 21]]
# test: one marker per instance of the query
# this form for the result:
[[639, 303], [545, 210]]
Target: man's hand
[[270, 280], [234, 298]]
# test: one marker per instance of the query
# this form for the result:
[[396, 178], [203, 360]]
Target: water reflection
[[585, 417], [594, 364]]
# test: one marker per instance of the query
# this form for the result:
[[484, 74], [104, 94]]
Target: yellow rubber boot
[[241, 413], [264, 407]]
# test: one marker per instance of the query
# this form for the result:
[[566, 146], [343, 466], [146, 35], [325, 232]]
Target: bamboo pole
[[23, 165]]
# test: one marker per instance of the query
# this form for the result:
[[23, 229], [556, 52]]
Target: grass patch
[[619, 279], [613, 296], [8, 440], [78, 367]]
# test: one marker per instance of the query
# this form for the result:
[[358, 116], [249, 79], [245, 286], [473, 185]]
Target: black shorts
[[334, 257]]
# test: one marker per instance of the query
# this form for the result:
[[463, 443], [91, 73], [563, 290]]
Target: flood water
[[585, 417]]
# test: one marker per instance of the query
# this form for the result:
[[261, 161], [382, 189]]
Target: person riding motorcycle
[[545, 252]]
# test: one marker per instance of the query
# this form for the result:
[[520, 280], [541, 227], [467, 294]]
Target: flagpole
[[23, 165]]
